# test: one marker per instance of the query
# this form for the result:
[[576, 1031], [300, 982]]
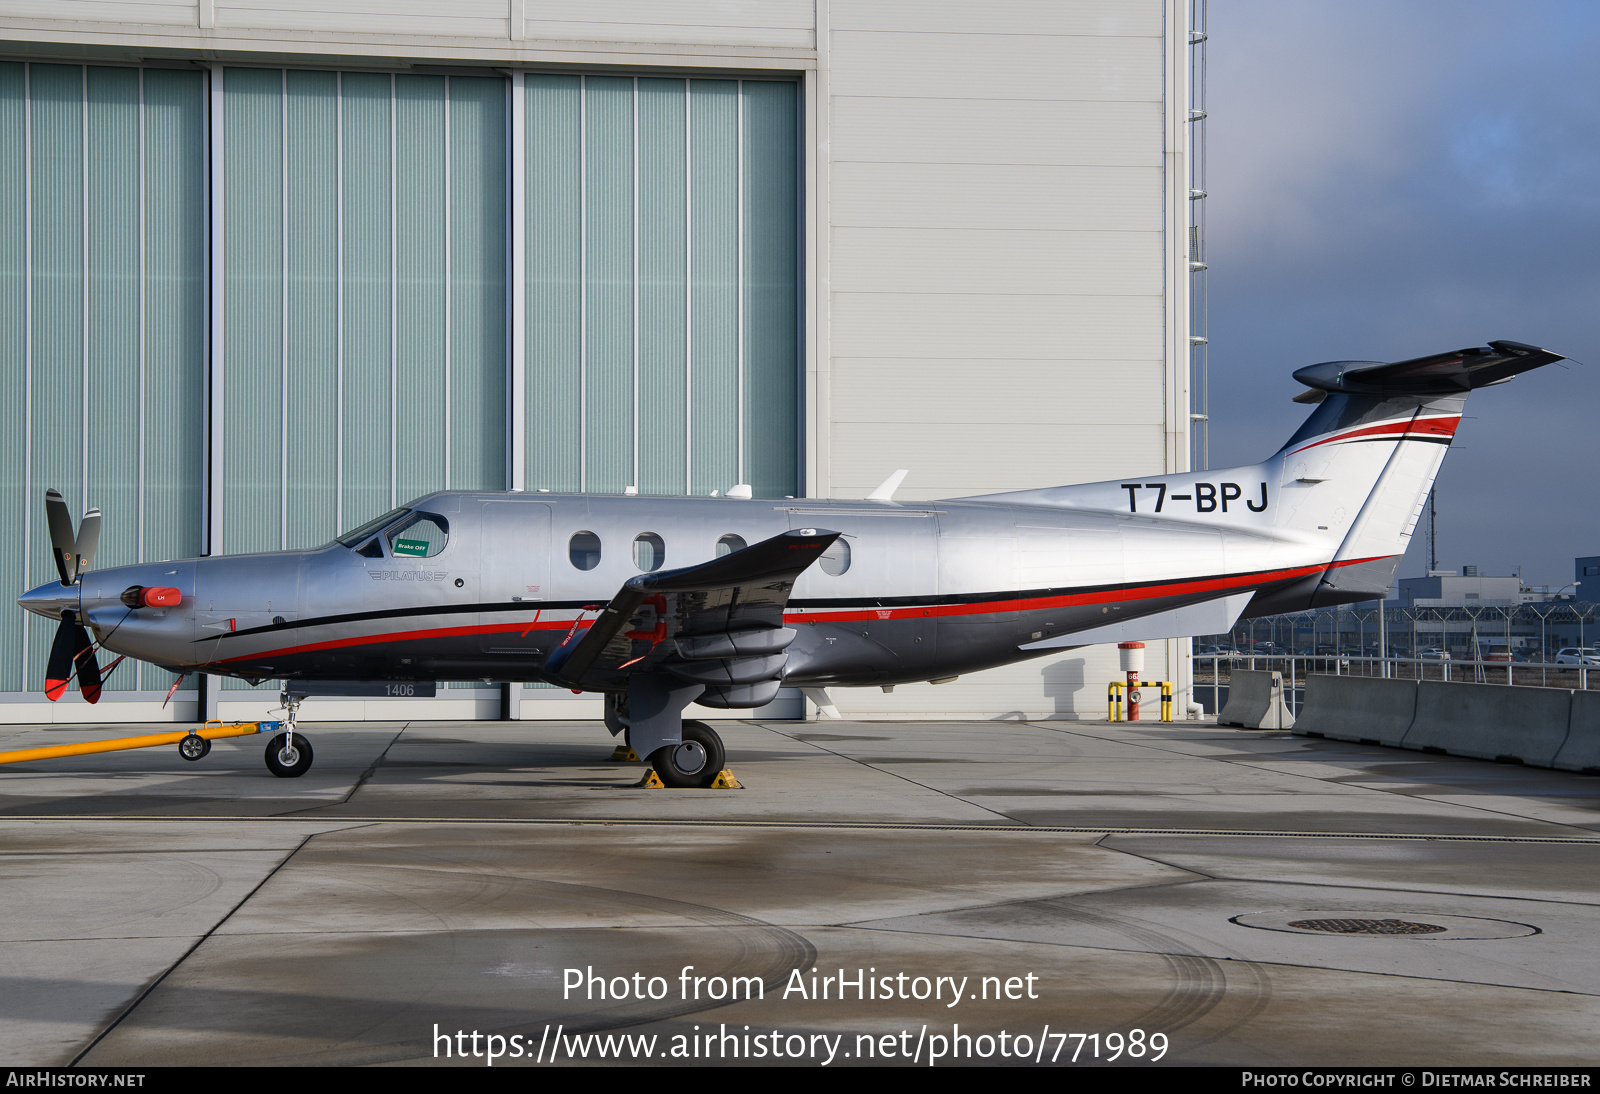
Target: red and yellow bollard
[[1131, 655], [1114, 699]]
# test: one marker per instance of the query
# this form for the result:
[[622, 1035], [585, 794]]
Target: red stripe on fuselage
[[1421, 427], [399, 636], [985, 607], [1107, 596]]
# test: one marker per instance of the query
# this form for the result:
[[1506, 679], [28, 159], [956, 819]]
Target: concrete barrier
[[1366, 709], [1490, 721], [1255, 701], [1581, 752]]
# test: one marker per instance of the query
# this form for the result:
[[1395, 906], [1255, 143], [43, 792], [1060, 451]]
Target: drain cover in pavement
[[1366, 923], [1366, 926]]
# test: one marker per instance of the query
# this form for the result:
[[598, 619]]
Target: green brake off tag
[[415, 548]]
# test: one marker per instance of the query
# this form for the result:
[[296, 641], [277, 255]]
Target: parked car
[[1435, 654], [1578, 655]]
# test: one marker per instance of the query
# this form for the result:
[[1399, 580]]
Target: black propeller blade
[[88, 667], [73, 553], [72, 652], [58, 670]]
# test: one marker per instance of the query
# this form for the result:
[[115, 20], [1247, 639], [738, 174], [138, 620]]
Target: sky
[[1390, 180]]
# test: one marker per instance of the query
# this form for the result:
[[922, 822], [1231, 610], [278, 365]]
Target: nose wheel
[[289, 759], [289, 753]]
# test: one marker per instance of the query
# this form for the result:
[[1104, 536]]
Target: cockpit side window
[[422, 536], [373, 548], [350, 539]]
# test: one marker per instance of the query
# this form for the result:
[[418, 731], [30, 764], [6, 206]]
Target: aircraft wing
[[719, 623]]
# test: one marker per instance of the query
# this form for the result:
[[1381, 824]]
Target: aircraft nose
[[50, 599]]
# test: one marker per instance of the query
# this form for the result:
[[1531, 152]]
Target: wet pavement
[[1062, 878]]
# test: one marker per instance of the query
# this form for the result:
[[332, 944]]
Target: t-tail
[[1379, 433], [1340, 500]]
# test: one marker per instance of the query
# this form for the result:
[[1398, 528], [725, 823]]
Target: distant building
[[1586, 571], [1469, 589]]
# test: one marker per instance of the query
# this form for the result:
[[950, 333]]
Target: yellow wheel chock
[[723, 781]]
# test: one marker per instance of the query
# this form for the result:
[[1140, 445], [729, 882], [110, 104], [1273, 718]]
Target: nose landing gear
[[289, 753]]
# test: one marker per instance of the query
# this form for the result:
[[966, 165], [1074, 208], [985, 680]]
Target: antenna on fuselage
[[885, 491]]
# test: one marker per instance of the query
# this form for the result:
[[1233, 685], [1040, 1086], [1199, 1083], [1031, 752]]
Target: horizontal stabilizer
[[1441, 374], [1210, 617]]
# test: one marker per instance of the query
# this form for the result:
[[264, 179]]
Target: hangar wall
[[1007, 216], [988, 284]]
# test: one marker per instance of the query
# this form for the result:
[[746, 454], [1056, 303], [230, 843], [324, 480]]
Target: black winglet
[[1440, 374]]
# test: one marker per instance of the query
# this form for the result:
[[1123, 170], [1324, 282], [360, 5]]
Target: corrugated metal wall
[[102, 325], [364, 259], [359, 227], [662, 285]]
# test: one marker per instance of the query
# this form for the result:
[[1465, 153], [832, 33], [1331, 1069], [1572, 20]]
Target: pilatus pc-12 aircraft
[[660, 602]]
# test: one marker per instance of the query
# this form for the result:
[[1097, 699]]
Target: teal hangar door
[[102, 343], [660, 309], [244, 308]]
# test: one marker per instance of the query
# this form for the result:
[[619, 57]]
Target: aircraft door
[[883, 574], [515, 572]]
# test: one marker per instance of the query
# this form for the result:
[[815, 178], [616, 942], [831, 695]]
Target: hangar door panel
[[363, 286], [102, 321], [662, 284]]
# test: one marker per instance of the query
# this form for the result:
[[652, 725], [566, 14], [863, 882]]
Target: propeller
[[73, 553], [72, 652]]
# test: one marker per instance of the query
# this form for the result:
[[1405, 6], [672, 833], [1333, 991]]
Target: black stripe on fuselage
[[835, 602], [403, 613]]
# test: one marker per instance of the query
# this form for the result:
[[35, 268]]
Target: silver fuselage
[[931, 590]]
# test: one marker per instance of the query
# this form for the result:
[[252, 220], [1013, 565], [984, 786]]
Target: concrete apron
[[1103, 877]]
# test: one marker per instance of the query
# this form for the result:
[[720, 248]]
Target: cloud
[[1393, 180]]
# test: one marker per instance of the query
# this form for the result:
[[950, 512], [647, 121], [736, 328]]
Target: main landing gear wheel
[[286, 761], [693, 763], [194, 747]]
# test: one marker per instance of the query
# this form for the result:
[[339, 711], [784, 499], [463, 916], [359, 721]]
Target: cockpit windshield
[[350, 539]]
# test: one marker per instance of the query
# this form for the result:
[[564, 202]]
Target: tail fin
[[1382, 430], [1344, 494]]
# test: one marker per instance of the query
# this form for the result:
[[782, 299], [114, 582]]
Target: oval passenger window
[[649, 551], [836, 559], [729, 544], [584, 550]]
